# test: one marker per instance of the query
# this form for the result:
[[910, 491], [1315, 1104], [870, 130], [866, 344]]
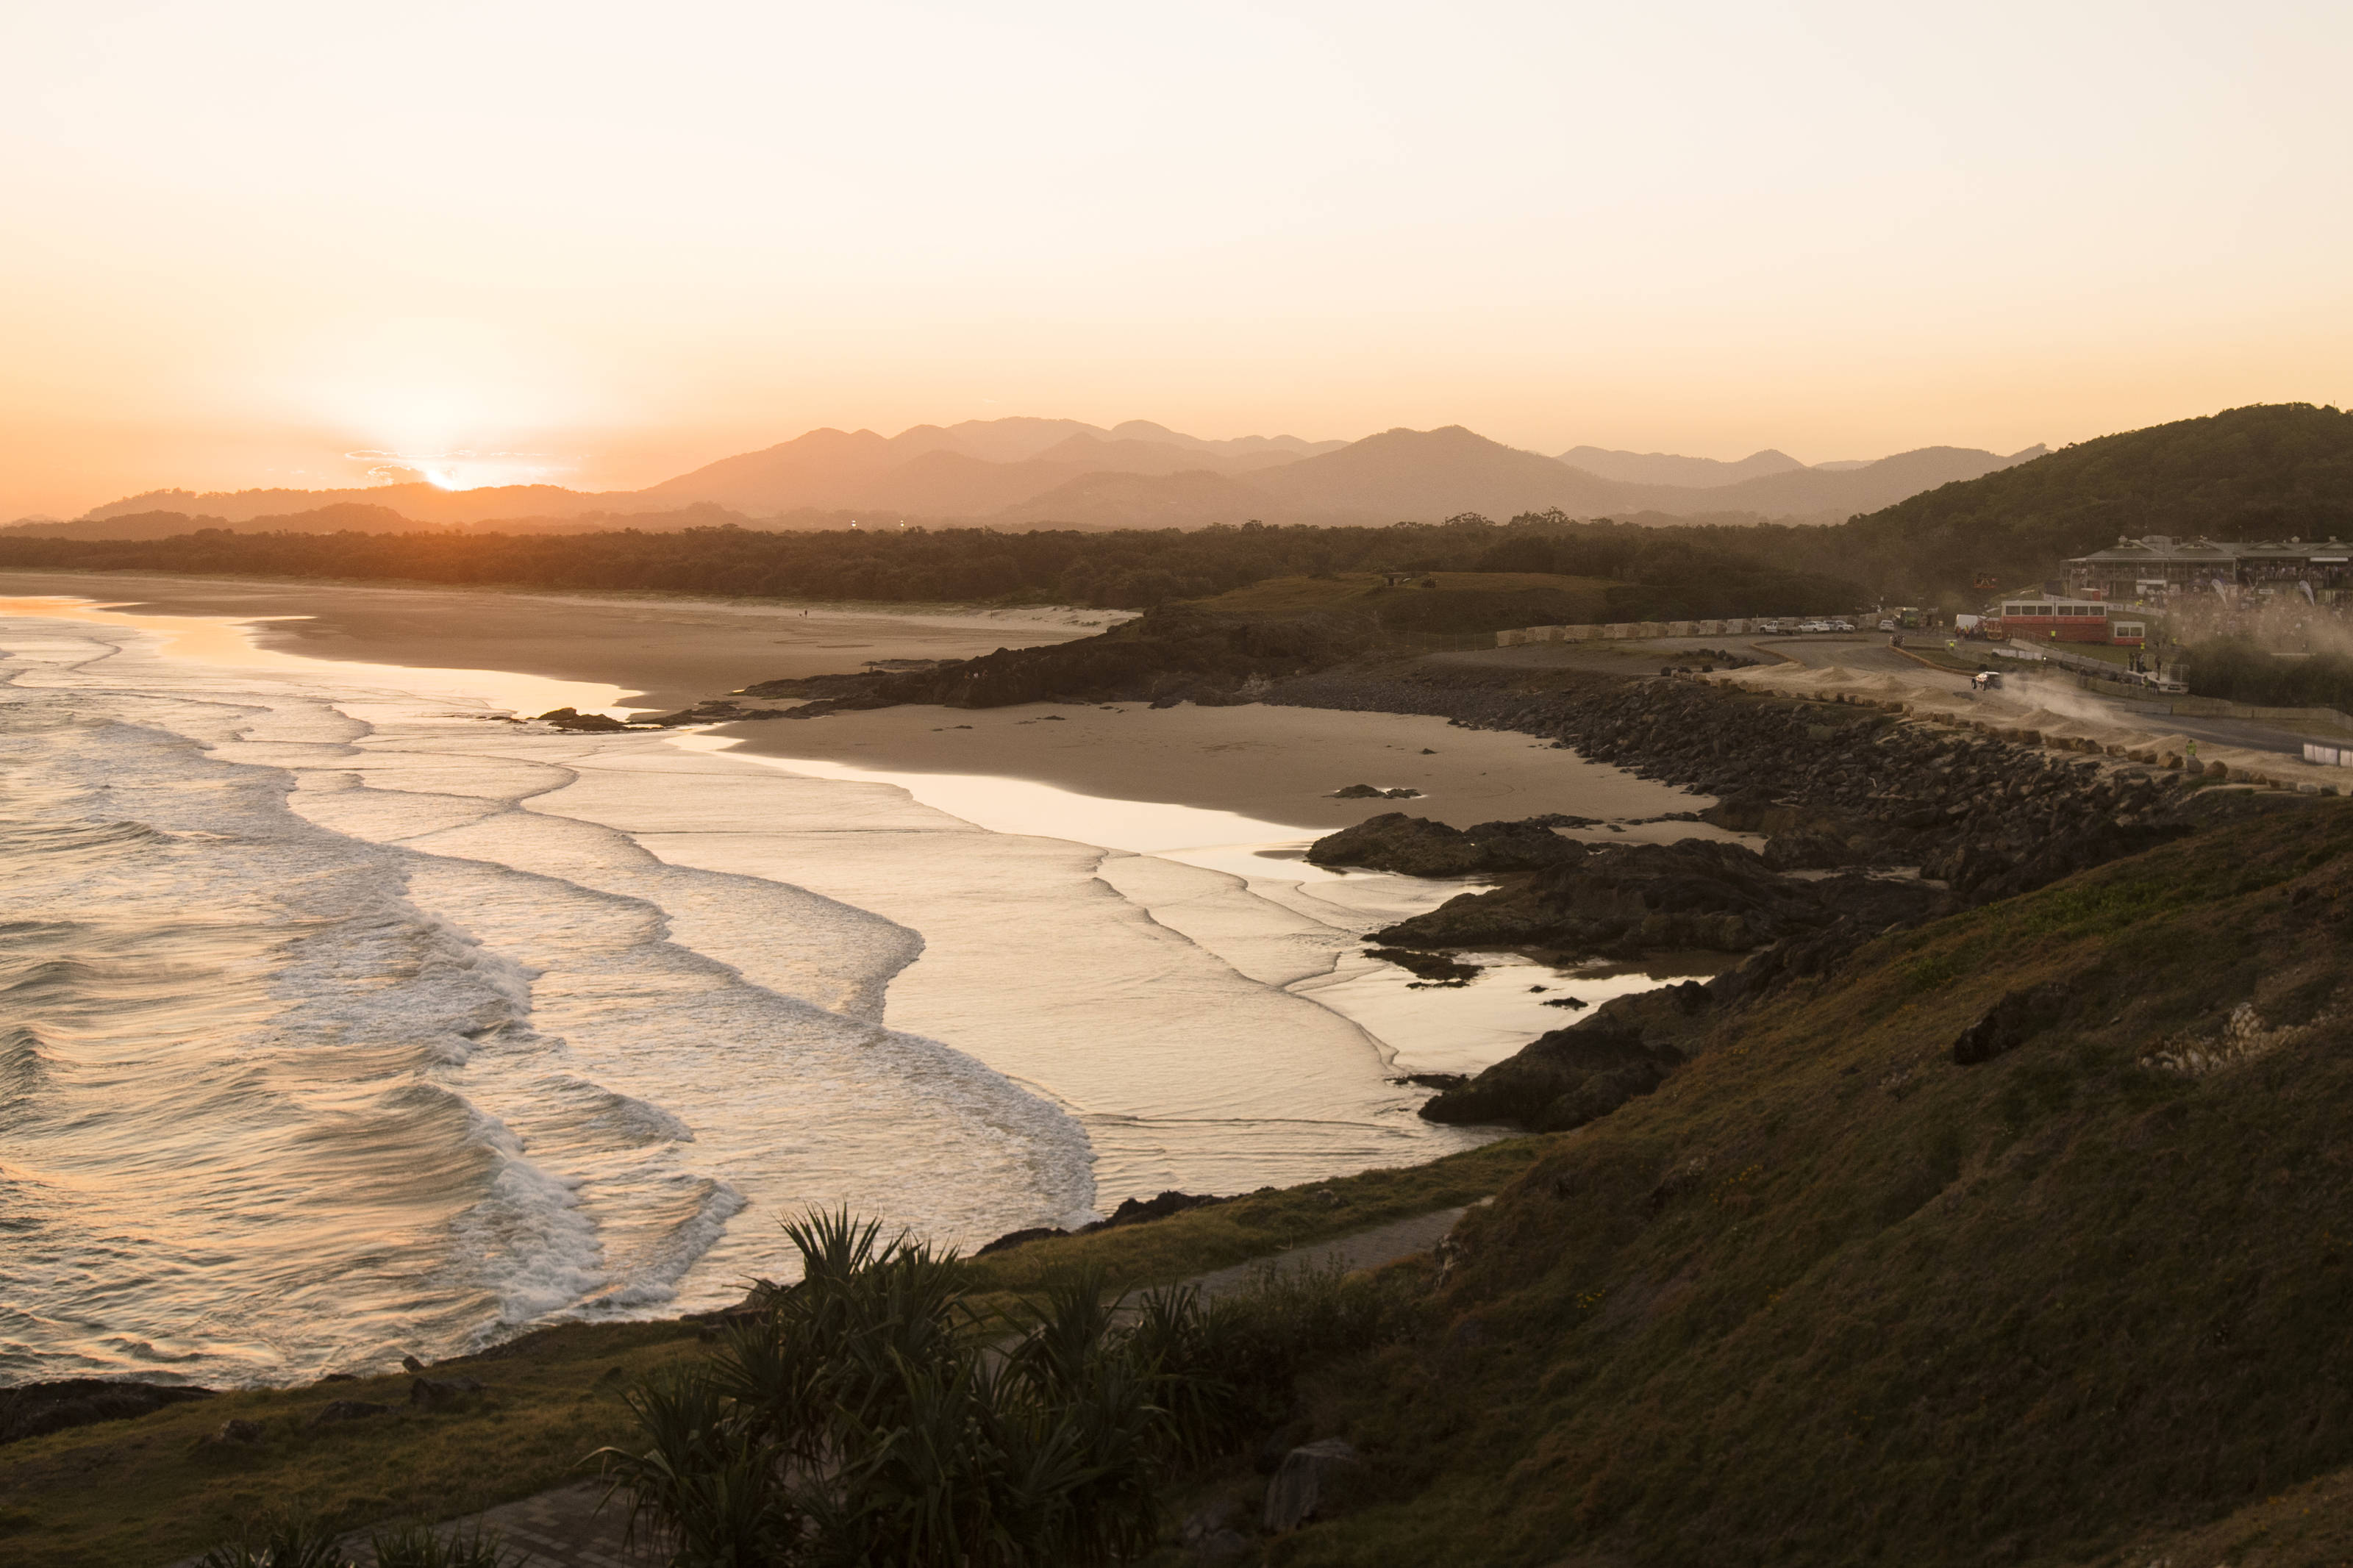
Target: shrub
[[867, 1416]]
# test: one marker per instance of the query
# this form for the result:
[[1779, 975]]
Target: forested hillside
[[2267, 471], [1701, 571]]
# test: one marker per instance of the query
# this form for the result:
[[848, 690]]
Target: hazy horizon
[[257, 244]]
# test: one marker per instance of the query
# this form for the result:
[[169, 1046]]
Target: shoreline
[[661, 651], [671, 652]]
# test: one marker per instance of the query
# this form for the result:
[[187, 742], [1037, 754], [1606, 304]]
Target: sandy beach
[[1276, 765], [1273, 764], [662, 652]]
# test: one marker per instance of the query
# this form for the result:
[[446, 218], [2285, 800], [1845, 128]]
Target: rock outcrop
[[37, 1409], [1309, 1478], [1579, 1074], [2009, 1023], [1420, 847], [1834, 784], [1631, 899]]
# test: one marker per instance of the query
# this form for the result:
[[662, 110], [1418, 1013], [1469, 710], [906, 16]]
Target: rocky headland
[[1871, 822]]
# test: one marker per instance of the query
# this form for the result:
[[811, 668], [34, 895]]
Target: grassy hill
[[1830, 1297], [2267, 471]]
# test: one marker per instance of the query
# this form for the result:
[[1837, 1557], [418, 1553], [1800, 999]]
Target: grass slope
[[1830, 1298]]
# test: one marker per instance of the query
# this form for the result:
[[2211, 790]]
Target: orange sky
[[599, 243]]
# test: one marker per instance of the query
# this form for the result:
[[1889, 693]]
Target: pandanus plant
[[866, 1416]]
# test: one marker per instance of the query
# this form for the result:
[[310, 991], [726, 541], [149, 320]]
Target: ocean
[[342, 1017]]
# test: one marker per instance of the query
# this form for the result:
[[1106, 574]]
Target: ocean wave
[[319, 1046]]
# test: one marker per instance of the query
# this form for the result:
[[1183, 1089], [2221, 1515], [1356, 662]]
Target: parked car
[[1841, 625], [1888, 624]]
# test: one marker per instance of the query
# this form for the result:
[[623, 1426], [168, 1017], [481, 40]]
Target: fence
[[1625, 629]]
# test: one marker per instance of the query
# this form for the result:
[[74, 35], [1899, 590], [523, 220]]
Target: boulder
[[1420, 847], [37, 1409], [1013, 1238], [2009, 1023], [1309, 1478], [1579, 1074], [348, 1410], [439, 1392], [590, 723], [236, 1434]]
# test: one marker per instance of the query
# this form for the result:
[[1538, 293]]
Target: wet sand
[[663, 653], [1275, 764]]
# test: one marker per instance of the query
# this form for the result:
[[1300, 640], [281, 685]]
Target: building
[[2156, 567], [2044, 617]]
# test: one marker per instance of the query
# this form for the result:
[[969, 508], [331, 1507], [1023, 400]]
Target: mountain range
[[1024, 472]]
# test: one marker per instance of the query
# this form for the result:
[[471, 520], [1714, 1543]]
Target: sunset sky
[[597, 243]]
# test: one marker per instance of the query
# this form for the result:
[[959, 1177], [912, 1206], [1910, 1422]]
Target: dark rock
[[1440, 1081], [1358, 792], [1626, 900], [1433, 967], [2009, 1023], [340, 1377], [1309, 1481], [1175, 652], [236, 1434], [590, 723], [439, 1393], [1135, 1211], [1420, 847], [37, 1409], [410, 1363], [1131, 1211], [348, 1410], [1013, 1238], [1584, 1072]]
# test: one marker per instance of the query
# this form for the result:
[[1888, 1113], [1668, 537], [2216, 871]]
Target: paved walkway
[[565, 1528]]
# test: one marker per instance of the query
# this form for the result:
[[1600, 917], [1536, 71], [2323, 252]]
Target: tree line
[[1120, 569]]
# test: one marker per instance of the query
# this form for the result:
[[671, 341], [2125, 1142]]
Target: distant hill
[[1833, 494], [1664, 468], [418, 503], [1432, 474], [1021, 471], [973, 469], [2268, 471], [1189, 499]]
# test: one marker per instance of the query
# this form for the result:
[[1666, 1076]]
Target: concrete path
[[565, 1528], [1366, 1249]]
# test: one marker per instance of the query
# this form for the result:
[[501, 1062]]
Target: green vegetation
[[1640, 574], [150, 1490], [1827, 1296], [2269, 471], [868, 1415]]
